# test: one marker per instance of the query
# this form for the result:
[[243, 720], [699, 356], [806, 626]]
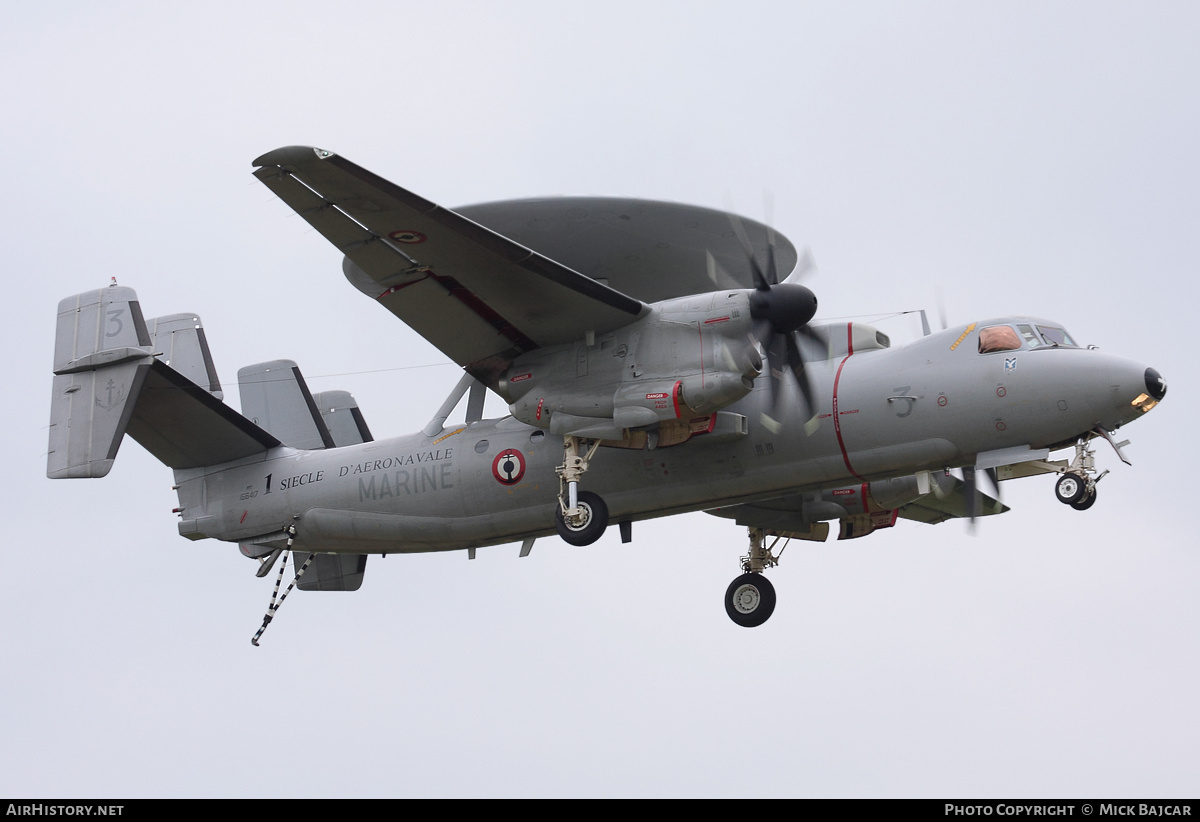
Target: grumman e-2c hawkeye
[[654, 363]]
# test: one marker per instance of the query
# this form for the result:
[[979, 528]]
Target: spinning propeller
[[781, 311], [973, 494], [970, 482]]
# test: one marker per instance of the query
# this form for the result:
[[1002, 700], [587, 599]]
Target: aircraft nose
[[1156, 386]]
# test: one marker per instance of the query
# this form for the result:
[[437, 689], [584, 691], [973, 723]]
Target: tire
[[1087, 502], [750, 600], [596, 520], [1070, 488]]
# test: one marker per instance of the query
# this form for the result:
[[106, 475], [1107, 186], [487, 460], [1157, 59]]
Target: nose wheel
[[1085, 502], [1070, 488], [1077, 485]]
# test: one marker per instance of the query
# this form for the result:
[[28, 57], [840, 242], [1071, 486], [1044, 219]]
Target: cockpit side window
[[998, 338], [1056, 336]]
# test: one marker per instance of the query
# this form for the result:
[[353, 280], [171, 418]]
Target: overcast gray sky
[[1034, 158]]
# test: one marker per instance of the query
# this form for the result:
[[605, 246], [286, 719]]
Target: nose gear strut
[[1077, 485]]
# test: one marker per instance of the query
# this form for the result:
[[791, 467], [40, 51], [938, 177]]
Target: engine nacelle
[[637, 404], [679, 364], [693, 394]]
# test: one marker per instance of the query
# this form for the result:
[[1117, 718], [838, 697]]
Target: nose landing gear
[[1077, 485]]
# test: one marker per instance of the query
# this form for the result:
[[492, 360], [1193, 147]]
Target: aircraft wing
[[479, 297], [951, 503], [785, 515]]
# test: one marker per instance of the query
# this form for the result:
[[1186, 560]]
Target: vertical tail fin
[[276, 397], [100, 342], [179, 342], [343, 418]]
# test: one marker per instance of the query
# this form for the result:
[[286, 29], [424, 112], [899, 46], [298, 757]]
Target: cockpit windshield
[[1003, 338], [1031, 338], [1056, 336]]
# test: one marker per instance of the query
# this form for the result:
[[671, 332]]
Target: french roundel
[[405, 235], [509, 466]]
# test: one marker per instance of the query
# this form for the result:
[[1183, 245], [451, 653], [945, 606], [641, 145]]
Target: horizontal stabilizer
[[184, 426]]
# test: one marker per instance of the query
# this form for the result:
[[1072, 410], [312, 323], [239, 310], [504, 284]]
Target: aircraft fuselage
[[932, 404]]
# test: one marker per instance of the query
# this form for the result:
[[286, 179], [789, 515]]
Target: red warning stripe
[[837, 423], [472, 301]]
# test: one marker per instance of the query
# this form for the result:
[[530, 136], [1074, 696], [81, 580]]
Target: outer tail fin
[[343, 418], [108, 382], [276, 397]]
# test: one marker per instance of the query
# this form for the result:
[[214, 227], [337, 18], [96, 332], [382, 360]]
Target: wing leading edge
[[410, 255]]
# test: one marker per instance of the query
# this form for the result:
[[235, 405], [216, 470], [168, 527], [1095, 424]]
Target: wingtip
[[291, 155]]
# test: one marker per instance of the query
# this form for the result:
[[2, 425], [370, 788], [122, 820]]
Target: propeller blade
[[994, 476], [796, 363], [721, 279], [768, 220], [804, 265], [776, 362], [761, 331], [739, 230], [972, 494]]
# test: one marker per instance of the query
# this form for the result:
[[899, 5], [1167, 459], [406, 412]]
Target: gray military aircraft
[[654, 363]]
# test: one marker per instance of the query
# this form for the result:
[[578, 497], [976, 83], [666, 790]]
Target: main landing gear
[[750, 599], [581, 516], [1077, 485]]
